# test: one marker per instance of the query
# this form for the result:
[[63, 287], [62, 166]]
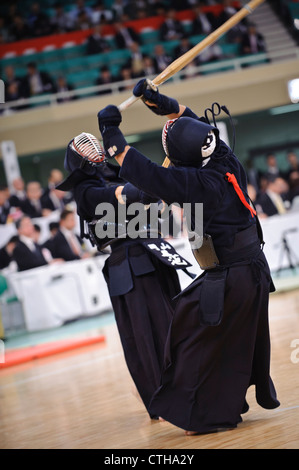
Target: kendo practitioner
[[141, 277], [218, 344]]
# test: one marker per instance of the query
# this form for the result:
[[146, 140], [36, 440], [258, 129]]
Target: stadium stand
[[65, 52]]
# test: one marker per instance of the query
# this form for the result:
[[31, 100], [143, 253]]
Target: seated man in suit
[[18, 193], [52, 200], [66, 244], [32, 206], [28, 254], [274, 200]]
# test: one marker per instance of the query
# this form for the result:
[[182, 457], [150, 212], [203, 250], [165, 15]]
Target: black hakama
[[142, 289], [208, 369]]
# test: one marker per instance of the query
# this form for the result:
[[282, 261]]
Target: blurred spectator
[[292, 176], [171, 28], [55, 177], [275, 199], [184, 46], [66, 244], [161, 59], [272, 167], [100, 14], [96, 43], [62, 89], [210, 54], [252, 41], [36, 233], [136, 60], [19, 29], [53, 229], [204, 22], [13, 86], [294, 187], [125, 36], [82, 22], [31, 206], [104, 78], [27, 253], [37, 82], [6, 252], [293, 162], [38, 21], [52, 200], [149, 66], [60, 21], [4, 204], [235, 34], [118, 9], [80, 9], [190, 70], [18, 193], [125, 74]]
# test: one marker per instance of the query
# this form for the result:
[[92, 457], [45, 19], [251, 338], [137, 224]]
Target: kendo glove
[[114, 142], [149, 93], [132, 194]]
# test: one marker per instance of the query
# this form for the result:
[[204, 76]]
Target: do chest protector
[[205, 254]]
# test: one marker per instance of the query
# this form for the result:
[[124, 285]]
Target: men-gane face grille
[[89, 147], [166, 127]]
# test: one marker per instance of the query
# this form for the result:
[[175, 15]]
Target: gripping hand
[[159, 104], [109, 120]]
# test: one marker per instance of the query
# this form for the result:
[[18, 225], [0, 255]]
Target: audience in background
[[105, 78], [183, 47], [274, 200], [66, 244], [17, 193], [38, 21], [171, 28], [274, 190], [60, 21], [36, 82], [124, 36], [252, 41], [62, 90], [272, 167], [96, 42], [161, 58], [31, 205], [204, 22], [28, 254], [18, 24]]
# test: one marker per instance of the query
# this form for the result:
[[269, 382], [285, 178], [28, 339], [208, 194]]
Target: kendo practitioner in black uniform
[[141, 284], [219, 342]]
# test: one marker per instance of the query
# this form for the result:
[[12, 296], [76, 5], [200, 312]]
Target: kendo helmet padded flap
[[185, 139]]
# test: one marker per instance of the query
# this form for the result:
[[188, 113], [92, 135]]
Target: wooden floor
[[85, 400]]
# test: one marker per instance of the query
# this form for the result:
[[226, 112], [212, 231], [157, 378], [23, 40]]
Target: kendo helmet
[[84, 152], [187, 141], [83, 156]]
